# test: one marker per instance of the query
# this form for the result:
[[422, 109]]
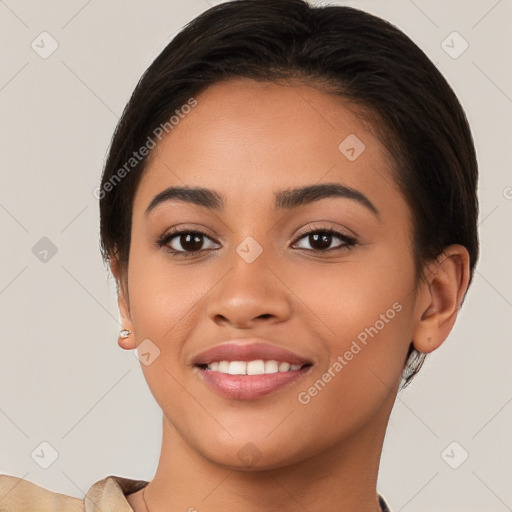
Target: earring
[[125, 333]]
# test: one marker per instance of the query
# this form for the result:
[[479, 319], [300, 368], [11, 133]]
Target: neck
[[344, 477]]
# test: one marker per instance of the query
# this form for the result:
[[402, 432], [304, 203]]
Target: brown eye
[[188, 242], [184, 243], [320, 240]]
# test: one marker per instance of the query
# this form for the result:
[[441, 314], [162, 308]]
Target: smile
[[256, 367], [244, 386], [249, 369]]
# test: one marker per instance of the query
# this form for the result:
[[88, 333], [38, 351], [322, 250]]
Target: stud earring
[[125, 333]]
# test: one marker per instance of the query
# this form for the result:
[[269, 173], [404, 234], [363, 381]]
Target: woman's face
[[266, 274]]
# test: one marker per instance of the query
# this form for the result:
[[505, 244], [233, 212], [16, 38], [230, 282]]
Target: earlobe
[[126, 337], [440, 297]]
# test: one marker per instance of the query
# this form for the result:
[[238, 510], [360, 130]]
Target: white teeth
[[271, 366], [223, 367], [237, 368], [256, 367], [284, 367]]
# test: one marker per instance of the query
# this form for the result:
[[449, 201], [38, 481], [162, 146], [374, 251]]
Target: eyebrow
[[284, 200]]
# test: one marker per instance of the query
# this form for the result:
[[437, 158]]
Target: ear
[[123, 304], [439, 298]]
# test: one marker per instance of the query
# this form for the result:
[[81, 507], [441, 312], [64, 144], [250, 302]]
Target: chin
[[253, 452]]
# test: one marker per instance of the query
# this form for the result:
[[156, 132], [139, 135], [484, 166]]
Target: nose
[[250, 294]]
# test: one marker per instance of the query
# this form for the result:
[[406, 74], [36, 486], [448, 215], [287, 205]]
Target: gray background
[[63, 378]]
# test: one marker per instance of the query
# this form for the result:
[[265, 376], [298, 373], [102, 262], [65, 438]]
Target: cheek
[[345, 298], [163, 303], [367, 355], [363, 318], [162, 295]]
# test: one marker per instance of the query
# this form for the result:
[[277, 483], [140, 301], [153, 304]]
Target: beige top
[[108, 494]]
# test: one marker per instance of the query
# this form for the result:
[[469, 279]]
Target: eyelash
[[348, 244]]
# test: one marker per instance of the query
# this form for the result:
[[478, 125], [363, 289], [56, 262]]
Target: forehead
[[248, 139]]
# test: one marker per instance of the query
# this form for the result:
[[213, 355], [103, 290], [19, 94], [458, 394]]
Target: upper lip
[[248, 350]]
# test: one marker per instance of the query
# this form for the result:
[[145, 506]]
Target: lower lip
[[250, 387]]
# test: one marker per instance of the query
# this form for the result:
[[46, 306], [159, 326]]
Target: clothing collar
[[110, 494], [112, 490]]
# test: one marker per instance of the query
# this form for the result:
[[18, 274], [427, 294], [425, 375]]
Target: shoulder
[[19, 495], [109, 493]]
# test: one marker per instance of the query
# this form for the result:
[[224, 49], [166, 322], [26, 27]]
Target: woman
[[289, 209]]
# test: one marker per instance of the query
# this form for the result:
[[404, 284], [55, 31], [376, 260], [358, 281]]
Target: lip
[[248, 350], [248, 387]]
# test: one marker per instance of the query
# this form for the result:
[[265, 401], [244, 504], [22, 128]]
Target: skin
[[248, 140]]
